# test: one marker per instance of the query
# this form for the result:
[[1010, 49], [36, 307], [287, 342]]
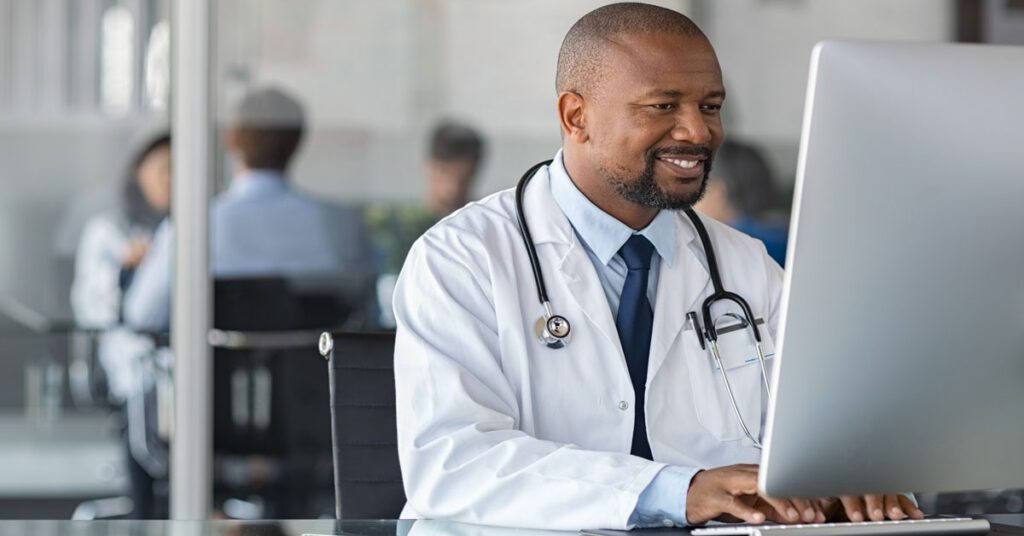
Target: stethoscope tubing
[[719, 293], [524, 229], [710, 332]]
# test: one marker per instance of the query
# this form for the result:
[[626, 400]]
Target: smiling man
[[625, 420]]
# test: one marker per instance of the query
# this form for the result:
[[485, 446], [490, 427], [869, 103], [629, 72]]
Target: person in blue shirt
[[262, 225], [741, 193]]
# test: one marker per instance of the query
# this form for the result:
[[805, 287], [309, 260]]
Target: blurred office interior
[[84, 82]]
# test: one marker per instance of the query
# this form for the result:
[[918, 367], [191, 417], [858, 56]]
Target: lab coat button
[[623, 405]]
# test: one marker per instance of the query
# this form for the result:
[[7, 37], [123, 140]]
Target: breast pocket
[[714, 407]]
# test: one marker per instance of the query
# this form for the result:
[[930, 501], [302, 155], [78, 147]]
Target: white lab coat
[[495, 428]]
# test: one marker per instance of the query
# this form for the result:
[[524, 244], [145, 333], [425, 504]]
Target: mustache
[[699, 151]]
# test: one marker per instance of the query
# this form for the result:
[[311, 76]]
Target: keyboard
[[938, 525]]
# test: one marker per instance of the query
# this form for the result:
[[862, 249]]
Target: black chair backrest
[[367, 477], [275, 304], [258, 392], [271, 398]]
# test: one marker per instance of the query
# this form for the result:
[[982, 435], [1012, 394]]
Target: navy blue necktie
[[634, 322]]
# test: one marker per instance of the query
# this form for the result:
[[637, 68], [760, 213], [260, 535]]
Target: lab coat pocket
[[714, 406]]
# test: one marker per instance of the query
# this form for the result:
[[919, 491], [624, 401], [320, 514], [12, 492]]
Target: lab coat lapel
[[681, 288], [586, 290], [553, 234]]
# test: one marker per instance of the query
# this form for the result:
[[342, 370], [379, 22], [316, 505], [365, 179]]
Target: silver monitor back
[[902, 335]]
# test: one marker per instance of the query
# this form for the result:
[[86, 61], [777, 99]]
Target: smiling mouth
[[684, 167], [683, 163]]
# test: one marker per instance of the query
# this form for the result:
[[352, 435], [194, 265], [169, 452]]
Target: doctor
[[629, 423]]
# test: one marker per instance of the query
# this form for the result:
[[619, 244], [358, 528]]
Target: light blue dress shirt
[[663, 503], [260, 226]]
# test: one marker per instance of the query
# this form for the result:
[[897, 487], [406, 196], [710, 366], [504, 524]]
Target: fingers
[[741, 510], [909, 507], [731, 492], [875, 506], [810, 510], [743, 482], [784, 511], [853, 505], [726, 490], [899, 507], [831, 507], [893, 509], [879, 508]]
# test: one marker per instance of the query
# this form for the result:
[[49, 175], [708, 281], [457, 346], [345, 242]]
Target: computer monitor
[[901, 347]]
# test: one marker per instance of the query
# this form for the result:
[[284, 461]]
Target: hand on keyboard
[[730, 494], [872, 508]]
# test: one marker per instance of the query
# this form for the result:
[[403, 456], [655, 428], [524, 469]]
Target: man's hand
[[731, 492], [872, 508]]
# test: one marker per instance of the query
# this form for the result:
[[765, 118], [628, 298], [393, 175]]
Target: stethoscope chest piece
[[553, 331]]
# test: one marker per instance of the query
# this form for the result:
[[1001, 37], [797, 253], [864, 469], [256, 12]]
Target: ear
[[571, 115]]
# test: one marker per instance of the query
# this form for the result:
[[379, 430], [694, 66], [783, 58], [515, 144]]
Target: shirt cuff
[[663, 502]]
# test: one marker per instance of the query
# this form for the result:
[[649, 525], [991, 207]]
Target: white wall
[[375, 75], [764, 47], [488, 62]]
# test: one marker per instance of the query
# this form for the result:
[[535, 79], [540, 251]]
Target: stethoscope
[[555, 331]]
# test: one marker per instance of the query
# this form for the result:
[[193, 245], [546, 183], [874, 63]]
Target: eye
[[713, 108], [664, 106]]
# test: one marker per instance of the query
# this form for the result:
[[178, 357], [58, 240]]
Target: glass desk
[[1008, 524]]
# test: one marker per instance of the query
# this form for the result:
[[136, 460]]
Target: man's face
[[653, 121], [449, 183]]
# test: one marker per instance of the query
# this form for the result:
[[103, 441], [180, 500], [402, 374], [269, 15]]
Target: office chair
[[270, 415], [271, 418], [367, 477]]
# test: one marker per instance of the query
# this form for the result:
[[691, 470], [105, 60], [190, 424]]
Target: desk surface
[[298, 527], [74, 456]]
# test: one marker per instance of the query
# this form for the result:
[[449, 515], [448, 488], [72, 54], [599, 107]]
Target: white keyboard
[[939, 525]]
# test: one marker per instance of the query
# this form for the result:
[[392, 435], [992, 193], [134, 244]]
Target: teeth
[[683, 163]]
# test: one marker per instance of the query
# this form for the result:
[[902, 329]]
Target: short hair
[[580, 62], [268, 126], [747, 176], [452, 141]]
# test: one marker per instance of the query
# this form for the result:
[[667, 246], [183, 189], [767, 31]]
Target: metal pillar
[[192, 444]]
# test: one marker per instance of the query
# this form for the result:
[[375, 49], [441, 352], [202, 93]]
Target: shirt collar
[[255, 181], [602, 232]]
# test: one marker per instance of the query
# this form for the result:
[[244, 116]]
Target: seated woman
[[112, 245], [114, 242]]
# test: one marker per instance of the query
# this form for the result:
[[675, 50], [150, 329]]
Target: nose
[[691, 126]]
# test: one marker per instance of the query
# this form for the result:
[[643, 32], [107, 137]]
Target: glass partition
[[75, 114]]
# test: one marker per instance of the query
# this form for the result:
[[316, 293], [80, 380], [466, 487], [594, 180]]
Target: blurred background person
[[454, 154], [741, 192], [456, 151], [262, 225], [112, 246]]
